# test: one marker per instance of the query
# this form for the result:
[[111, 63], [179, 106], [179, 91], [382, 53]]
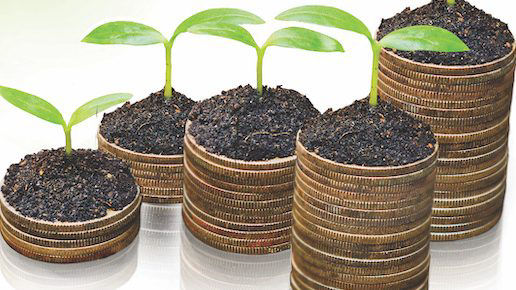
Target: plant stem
[[68, 136], [451, 3], [373, 96], [168, 77], [259, 69]]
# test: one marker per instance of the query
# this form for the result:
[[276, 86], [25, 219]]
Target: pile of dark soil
[[50, 186], [487, 37], [368, 136], [241, 125], [153, 125]]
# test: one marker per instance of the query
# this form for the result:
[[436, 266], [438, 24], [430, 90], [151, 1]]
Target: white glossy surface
[[41, 53]]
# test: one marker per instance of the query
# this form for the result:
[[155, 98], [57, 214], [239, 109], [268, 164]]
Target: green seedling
[[132, 33], [46, 111], [451, 2], [413, 38], [291, 37]]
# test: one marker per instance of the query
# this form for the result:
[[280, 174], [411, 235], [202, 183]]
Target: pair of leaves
[[290, 37], [420, 37], [132, 33], [46, 111]]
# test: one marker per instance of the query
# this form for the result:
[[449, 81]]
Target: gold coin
[[359, 251], [156, 175], [33, 226], [445, 69], [489, 212], [240, 218], [71, 255], [276, 163], [354, 200], [495, 132], [468, 201], [321, 283], [439, 99], [364, 218], [471, 209], [322, 165], [365, 239], [349, 182], [161, 199], [243, 246], [237, 234], [162, 192], [463, 234], [321, 242], [476, 163], [273, 202], [472, 176], [363, 226], [465, 226], [94, 236], [236, 225], [318, 268], [369, 193], [153, 183], [129, 155], [468, 186], [475, 151], [282, 186], [198, 184]]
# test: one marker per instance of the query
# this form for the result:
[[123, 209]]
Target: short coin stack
[[160, 177], [70, 242], [238, 206], [361, 227], [468, 109]]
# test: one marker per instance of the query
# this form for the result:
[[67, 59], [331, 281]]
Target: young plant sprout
[[46, 111], [132, 33], [291, 37], [413, 38], [451, 2]]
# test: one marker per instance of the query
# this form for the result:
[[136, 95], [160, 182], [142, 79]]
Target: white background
[[41, 53]]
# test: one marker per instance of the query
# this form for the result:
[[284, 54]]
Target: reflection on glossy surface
[[204, 267], [467, 264], [108, 273], [159, 244]]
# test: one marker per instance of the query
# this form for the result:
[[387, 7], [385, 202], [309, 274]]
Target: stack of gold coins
[[237, 206], [70, 242], [468, 109], [160, 177], [361, 227]]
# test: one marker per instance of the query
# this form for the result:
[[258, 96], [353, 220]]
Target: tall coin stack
[[160, 177], [468, 109], [237, 206], [361, 227]]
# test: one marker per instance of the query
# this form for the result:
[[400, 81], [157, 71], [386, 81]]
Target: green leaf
[[302, 38], [125, 32], [33, 105], [423, 37], [224, 30], [326, 16], [218, 15], [96, 106]]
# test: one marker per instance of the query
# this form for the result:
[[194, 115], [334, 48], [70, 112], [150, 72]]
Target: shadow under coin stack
[[468, 109], [70, 242], [361, 227], [238, 206], [160, 177]]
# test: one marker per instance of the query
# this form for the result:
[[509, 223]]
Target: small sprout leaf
[[33, 105], [423, 37], [225, 30], [218, 15], [326, 16], [302, 38], [96, 106], [125, 32]]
